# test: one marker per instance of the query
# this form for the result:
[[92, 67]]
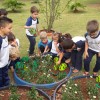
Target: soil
[[22, 91], [82, 82]]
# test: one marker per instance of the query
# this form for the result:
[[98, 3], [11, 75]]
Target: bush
[[13, 5], [74, 5]]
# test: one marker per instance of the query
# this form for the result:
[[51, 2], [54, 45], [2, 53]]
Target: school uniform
[[93, 49], [76, 56], [4, 57]]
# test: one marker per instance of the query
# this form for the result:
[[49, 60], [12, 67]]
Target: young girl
[[32, 28]]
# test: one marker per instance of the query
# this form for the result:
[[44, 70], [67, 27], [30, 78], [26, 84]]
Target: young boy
[[73, 51], [5, 28], [32, 28], [92, 46], [43, 42], [3, 13]]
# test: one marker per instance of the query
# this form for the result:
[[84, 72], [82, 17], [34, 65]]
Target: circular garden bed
[[41, 72], [78, 88]]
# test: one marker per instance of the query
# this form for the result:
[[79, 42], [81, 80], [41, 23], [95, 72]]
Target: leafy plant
[[13, 5], [14, 95], [92, 90], [73, 5], [61, 75], [72, 91], [33, 94]]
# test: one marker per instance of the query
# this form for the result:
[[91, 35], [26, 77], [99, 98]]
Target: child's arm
[[86, 50], [39, 52], [57, 49], [46, 49], [61, 54]]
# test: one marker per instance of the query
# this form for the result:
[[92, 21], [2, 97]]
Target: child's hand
[[78, 49], [67, 61], [57, 63], [98, 54], [86, 55]]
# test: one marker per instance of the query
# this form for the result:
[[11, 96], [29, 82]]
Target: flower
[[75, 92], [68, 81], [48, 75], [75, 84], [94, 97], [88, 92], [91, 76], [64, 90], [44, 73], [70, 87], [64, 85]]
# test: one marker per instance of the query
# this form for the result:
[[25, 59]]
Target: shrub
[[13, 5]]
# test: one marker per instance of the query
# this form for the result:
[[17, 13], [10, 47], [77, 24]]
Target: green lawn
[[73, 23]]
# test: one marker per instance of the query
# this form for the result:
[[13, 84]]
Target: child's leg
[[73, 58], [1, 78], [88, 60], [97, 66], [42, 48], [79, 56], [6, 80], [32, 44]]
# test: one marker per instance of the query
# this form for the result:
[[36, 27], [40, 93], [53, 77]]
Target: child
[[3, 13], [53, 45], [92, 46], [74, 50], [32, 23], [13, 57], [12, 40], [43, 42], [14, 52], [5, 28]]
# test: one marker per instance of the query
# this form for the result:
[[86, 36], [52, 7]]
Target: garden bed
[[40, 72], [22, 93], [80, 88]]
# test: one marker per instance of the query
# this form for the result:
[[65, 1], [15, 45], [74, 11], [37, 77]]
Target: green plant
[[92, 90], [61, 75], [14, 95], [73, 5], [33, 94], [13, 5], [72, 91]]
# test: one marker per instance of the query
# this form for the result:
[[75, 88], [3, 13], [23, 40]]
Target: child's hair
[[11, 37], [92, 26], [13, 52], [67, 44], [3, 12], [4, 21], [34, 9], [65, 36], [43, 35]]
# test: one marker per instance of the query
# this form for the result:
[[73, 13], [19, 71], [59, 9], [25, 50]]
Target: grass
[[73, 23]]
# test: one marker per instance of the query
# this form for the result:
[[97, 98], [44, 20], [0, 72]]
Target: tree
[[51, 11]]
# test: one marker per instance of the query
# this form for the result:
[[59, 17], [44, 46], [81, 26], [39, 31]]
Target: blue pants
[[76, 59], [4, 79], [32, 44], [88, 60]]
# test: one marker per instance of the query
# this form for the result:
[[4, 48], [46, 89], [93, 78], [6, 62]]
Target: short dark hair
[[11, 37], [65, 36], [92, 26], [34, 9], [67, 44], [3, 12], [4, 21]]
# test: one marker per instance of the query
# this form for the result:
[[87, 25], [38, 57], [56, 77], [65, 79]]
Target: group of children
[[69, 50]]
